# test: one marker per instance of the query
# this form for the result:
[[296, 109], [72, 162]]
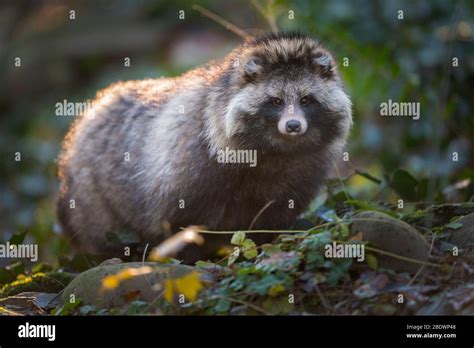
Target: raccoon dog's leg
[[85, 217]]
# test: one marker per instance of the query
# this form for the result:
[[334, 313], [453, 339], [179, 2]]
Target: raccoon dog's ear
[[251, 67], [324, 63]]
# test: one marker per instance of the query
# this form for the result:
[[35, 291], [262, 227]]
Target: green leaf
[[454, 225], [67, 308], [276, 289], [262, 286], [222, 306], [250, 249], [18, 238], [337, 271], [271, 249], [340, 197], [205, 264], [41, 267], [250, 254], [404, 184], [238, 238], [137, 307], [368, 176], [279, 305], [88, 309], [233, 256], [367, 206], [372, 261], [344, 229]]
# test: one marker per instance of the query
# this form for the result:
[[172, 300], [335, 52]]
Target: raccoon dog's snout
[[292, 125]]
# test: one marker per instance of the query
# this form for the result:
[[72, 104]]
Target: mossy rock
[[439, 215], [88, 286], [51, 282], [394, 236], [463, 237]]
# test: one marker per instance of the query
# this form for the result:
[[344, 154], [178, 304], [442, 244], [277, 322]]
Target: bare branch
[[260, 213], [267, 14], [222, 21]]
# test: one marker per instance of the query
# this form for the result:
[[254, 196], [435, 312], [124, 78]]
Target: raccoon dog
[[147, 156]]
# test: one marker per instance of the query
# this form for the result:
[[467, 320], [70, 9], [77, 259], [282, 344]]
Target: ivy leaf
[[278, 305], [276, 289], [337, 271], [238, 238], [271, 249], [250, 249], [263, 285], [344, 230], [222, 306], [88, 309], [250, 254]]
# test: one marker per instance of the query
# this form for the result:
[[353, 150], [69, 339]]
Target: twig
[[143, 264], [267, 15], [295, 231], [260, 213], [56, 280], [425, 263], [323, 299], [412, 280], [340, 180], [258, 309], [248, 231], [222, 21]]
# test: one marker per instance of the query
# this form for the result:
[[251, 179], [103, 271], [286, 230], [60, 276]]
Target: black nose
[[293, 126]]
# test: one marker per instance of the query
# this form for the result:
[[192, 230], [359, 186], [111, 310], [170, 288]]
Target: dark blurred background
[[407, 60]]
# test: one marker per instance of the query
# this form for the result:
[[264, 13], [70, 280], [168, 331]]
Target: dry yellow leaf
[[188, 285], [171, 246], [112, 281]]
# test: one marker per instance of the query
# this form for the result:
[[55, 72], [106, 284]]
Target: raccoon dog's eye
[[277, 101], [305, 100]]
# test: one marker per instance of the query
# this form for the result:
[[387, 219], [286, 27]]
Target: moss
[[39, 282], [439, 215]]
